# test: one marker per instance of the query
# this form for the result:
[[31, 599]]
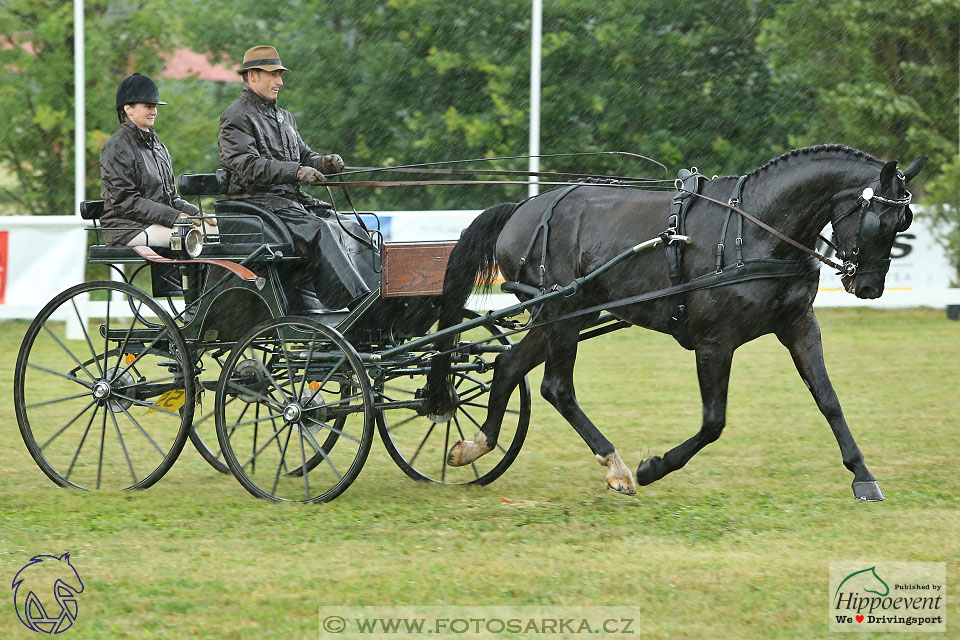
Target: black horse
[[796, 194]]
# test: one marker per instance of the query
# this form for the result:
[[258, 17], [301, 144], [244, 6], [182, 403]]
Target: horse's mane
[[821, 148]]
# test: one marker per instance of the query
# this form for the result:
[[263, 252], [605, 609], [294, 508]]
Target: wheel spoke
[[270, 377], [334, 429], [123, 446], [80, 446], [69, 353], [283, 455], [422, 442], [303, 462], [443, 454], [265, 444], [262, 399], [313, 443], [64, 427], [88, 385], [143, 431], [103, 437], [320, 386], [86, 335], [56, 400], [404, 421]]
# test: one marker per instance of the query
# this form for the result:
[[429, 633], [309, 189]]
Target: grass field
[[736, 545]]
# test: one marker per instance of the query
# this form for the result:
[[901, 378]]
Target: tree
[[36, 91], [879, 75], [405, 81]]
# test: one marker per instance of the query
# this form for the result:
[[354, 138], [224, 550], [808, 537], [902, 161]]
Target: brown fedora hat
[[262, 57]]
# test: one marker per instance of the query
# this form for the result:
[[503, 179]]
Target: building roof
[[183, 63]]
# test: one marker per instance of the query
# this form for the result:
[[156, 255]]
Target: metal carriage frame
[[110, 403]]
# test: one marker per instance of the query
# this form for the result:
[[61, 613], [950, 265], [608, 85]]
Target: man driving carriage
[[268, 160]]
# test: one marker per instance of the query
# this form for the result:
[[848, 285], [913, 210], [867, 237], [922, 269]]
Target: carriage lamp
[[186, 238]]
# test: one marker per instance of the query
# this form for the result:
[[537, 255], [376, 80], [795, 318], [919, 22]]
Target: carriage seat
[[240, 237]]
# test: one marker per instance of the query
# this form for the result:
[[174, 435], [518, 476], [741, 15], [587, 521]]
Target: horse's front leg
[[713, 372], [802, 338]]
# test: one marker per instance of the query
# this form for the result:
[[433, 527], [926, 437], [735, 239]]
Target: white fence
[[43, 255]]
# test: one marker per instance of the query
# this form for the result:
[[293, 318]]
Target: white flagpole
[[535, 38], [79, 109]]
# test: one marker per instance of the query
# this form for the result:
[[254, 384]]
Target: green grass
[[736, 545]]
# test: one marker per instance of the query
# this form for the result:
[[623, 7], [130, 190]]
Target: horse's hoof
[[867, 491], [463, 452], [648, 471], [622, 488], [455, 457]]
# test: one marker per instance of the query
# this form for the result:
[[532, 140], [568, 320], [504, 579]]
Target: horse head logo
[[865, 580], [45, 593]]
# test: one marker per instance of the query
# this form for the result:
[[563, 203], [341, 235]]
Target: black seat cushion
[[204, 184], [91, 209]]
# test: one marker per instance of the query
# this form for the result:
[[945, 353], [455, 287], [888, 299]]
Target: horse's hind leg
[[713, 373], [557, 388], [511, 366], [802, 338]]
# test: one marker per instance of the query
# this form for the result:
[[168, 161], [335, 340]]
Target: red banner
[[3, 266]]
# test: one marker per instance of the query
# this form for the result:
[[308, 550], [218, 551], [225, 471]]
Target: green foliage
[[880, 75], [722, 85], [36, 92]]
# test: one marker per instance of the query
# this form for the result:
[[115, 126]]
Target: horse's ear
[[914, 168], [65, 557], [887, 175]]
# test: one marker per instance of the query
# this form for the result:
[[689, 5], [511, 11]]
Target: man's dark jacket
[[137, 184], [260, 146]]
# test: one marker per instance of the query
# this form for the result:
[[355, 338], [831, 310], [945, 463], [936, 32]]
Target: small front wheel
[[290, 390]]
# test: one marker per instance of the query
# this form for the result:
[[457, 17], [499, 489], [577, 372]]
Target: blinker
[[870, 225]]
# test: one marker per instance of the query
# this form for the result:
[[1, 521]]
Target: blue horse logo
[[33, 586]]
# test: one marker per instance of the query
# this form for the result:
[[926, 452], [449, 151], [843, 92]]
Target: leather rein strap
[[763, 225]]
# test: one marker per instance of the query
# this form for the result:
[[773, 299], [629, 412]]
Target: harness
[[688, 185]]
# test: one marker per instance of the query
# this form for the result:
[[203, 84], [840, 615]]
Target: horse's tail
[[473, 260]]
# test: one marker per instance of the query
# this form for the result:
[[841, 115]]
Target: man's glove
[[331, 163], [309, 175]]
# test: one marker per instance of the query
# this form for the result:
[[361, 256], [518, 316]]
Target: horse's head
[[867, 227]]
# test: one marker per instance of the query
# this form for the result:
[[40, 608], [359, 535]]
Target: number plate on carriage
[[170, 401]]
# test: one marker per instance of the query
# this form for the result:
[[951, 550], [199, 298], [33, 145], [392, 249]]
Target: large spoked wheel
[[419, 444], [103, 388], [294, 396]]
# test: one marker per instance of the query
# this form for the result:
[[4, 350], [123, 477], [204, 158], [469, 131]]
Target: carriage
[[295, 398], [112, 380]]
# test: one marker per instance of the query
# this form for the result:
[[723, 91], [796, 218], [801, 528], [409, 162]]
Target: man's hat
[[262, 57]]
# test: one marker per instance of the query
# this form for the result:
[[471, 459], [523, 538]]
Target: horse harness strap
[[544, 228], [689, 183]]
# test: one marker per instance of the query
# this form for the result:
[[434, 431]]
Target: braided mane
[[822, 148]]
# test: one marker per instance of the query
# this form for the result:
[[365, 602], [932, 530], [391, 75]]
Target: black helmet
[[137, 88]]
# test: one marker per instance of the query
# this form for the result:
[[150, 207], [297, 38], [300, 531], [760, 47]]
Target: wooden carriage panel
[[414, 268]]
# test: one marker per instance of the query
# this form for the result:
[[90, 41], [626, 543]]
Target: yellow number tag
[[171, 401]]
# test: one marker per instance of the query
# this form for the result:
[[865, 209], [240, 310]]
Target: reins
[[763, 225]]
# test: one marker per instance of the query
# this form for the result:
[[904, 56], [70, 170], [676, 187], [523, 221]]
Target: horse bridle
[[870, 225]]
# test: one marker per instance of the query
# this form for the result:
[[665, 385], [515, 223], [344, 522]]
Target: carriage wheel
[[419, 444], [203, 435], [103, 400], [290, 390]]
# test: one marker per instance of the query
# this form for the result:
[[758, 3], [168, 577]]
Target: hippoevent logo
[[888, 596], [45, 593]]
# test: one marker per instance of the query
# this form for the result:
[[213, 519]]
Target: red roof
[[183, 63]]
